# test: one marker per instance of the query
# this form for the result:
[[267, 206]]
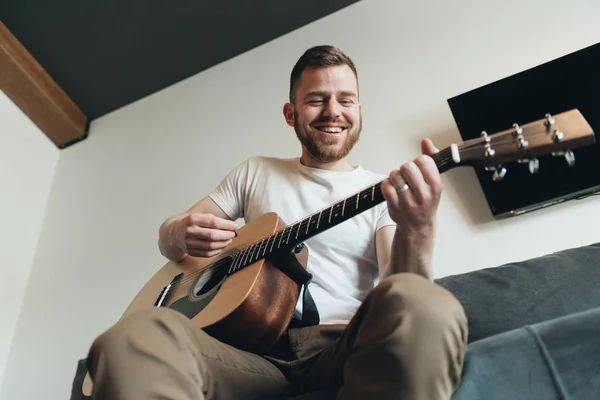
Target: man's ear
[[288, 113]]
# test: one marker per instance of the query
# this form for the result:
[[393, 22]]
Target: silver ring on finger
[[403, 188]]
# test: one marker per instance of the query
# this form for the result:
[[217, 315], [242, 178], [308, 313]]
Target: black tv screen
[[571, 81]]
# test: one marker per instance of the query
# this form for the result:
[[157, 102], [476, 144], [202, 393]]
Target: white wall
[[27, 163], [157, 157]]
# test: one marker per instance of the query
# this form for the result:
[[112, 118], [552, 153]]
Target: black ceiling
[[106, 54]]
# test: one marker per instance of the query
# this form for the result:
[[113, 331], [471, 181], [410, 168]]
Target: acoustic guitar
[[246, 295]]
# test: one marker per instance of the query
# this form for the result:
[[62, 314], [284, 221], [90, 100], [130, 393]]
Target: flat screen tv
[[571, 81]]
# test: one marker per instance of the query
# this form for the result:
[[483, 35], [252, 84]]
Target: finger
[[204, 253], [402, 194], [390, 191], [428, 148], [430, 172], [197, 232], [414, 178], [195, 244], [396, 179], [212, 221]]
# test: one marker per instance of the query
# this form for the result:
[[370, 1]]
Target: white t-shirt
[[343, 258]]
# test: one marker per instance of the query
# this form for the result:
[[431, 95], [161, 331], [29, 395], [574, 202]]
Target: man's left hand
[[413, 192]]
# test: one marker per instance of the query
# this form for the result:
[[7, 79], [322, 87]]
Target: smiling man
[[384, 331], [326, 114]]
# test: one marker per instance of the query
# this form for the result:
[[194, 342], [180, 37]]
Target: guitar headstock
[[553, 134]]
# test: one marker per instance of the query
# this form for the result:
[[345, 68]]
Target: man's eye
[[315, 101]]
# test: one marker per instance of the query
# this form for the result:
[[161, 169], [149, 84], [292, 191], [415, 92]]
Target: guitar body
[[250, 309]]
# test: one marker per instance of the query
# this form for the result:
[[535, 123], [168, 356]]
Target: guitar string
[[441, 158], [499, 141], [325, 213], [276, 236], [190, 278]]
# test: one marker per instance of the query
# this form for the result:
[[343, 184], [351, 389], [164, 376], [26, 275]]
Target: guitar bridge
[[167, 291]]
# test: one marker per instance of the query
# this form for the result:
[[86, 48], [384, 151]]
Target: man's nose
[[332, 109]]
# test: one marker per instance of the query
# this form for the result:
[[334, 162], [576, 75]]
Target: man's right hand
[[202, 234]]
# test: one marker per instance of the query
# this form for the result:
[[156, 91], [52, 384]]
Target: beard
[[325, 149]]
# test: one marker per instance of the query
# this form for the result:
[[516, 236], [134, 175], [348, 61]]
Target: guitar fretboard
[[320, 221]]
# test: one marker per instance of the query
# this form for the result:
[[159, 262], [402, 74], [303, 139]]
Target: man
[[386, 330]]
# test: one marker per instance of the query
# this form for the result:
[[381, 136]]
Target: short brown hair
[[318, 57]]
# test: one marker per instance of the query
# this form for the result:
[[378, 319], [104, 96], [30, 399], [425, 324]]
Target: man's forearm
[[166, 242], [412, 252]]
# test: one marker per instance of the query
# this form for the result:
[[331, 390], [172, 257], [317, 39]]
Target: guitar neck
[[314, 224], [326, 218]]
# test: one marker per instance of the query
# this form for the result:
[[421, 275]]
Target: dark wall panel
[[107, 54]]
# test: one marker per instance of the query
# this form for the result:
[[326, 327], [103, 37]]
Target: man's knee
[[141, 330], [425, 304]]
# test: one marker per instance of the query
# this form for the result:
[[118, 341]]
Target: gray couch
[[534, 329]]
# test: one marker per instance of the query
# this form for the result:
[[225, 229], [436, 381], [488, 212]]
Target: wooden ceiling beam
[[30, 87]]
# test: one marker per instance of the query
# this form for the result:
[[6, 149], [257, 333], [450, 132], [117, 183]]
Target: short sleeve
[[384, 217], [230, 193]]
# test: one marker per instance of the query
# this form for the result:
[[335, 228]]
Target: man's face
[[326, 114]]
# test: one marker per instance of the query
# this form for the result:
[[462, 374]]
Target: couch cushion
[[506, 297], [556, 359]]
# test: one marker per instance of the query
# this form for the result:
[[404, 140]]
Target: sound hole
[[213, 276]]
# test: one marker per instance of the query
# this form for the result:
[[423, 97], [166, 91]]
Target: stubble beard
[[321, 147]]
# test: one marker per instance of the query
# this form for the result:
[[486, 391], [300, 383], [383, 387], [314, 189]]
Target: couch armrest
[[507, 297]]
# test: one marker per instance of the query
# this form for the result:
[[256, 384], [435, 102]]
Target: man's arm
[[412, 193], [398, 253], [201, 231]]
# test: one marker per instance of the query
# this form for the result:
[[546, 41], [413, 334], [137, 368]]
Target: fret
[[266, 245], [246, 254], [257, 250], [250, 253], [235, 260], [240, 260]]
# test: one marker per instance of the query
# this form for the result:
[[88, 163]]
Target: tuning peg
[[517, 130], [534, 165], [499, 174], [568, 154], [549, 121], [557, 136], [522, 143], [570, 157], [488, 150]]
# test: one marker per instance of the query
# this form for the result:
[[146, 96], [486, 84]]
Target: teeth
[[330, 129]]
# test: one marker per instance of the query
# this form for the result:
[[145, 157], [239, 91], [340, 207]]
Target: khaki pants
[[406, 341]]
